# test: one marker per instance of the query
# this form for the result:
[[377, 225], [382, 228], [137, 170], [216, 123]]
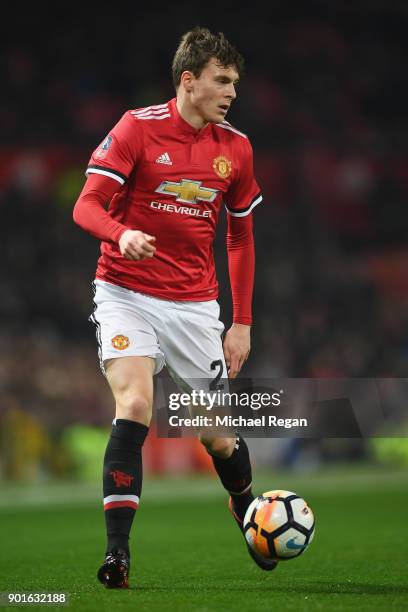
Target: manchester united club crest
[[222, 166], [120, 342]]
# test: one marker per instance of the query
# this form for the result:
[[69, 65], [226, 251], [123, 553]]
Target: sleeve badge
[[120, 342], [103, 148]]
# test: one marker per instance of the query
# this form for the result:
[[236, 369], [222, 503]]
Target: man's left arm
[[241, 266]]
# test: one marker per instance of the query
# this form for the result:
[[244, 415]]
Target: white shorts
[[184, 336]]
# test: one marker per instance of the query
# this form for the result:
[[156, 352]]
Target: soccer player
[[164, 172]]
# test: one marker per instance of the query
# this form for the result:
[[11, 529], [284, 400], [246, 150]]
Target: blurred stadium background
[[324, 101]]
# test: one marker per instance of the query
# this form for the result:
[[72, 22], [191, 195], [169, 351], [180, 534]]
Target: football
[[279, 525]]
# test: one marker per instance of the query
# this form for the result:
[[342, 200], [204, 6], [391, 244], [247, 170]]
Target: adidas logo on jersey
[[164, 158]]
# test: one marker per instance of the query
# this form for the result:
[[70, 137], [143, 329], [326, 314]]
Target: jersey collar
[[182, 124]]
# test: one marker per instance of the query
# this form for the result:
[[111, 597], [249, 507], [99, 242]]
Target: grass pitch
[[188, 554]]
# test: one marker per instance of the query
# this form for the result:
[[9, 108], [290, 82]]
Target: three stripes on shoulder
[[162, 111], [159, 111]]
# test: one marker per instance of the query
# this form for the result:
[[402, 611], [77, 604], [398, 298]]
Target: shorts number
[[214, 383]]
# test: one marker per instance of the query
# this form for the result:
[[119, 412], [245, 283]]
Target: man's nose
[[231, 91]]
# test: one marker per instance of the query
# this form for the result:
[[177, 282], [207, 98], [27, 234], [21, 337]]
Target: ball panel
[[311, 536], [261, 545], [271, 515], [290, 544], [249, 536], [251, 508], [302, 514]]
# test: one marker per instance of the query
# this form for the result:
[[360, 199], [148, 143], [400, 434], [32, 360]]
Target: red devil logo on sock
[[121, 479]]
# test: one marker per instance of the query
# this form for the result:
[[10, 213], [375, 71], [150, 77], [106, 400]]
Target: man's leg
[[232, 463], [131, 382], [233, 466]]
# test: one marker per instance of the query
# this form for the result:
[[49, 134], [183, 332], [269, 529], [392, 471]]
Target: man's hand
[[136, 245], [237, 344]]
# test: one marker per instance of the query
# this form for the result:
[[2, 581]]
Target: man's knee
[[133, 408], [133, 400], [219, 447], [131, 382]]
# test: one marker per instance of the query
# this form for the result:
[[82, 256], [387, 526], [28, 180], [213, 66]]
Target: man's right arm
[[90, 214]]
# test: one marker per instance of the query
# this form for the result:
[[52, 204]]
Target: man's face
[[213, 91]]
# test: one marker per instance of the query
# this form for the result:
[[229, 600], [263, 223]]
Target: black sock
[[236, 476], [122, 480]]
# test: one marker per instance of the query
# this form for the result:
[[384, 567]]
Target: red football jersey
[[174, 179]]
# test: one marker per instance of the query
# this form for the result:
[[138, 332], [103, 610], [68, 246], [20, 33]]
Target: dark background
[[324, 103]]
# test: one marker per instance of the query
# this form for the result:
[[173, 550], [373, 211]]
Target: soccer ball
[[279, 525]]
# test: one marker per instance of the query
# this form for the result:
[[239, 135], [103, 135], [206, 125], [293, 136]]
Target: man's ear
[[187, 80]]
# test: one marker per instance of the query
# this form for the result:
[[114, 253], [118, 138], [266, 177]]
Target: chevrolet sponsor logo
[[188, 192]]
